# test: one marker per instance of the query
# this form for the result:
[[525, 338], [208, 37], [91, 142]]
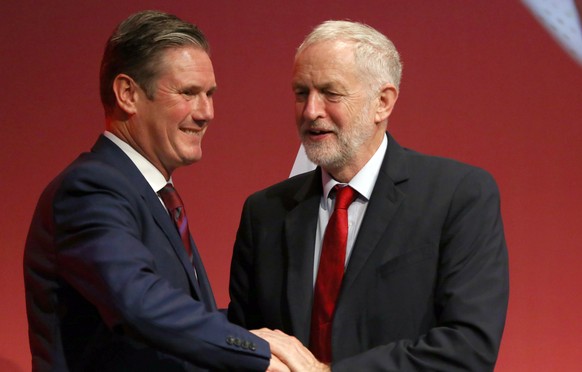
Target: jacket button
[[230, 340]]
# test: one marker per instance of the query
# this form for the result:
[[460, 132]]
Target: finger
[[276, 365]]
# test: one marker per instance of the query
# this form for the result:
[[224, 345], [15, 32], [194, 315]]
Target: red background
[[483, 82]]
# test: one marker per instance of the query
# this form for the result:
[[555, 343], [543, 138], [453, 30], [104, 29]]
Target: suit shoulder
[[288, 186], [88, 172], [286, 192], [446, 167]]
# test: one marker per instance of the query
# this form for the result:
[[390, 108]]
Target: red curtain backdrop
[[483, 83]]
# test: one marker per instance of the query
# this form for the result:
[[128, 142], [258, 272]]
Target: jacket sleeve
[[99, 222], [471, 292]]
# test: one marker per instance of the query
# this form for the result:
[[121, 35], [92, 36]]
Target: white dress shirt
[[153, 176], [363, 182]]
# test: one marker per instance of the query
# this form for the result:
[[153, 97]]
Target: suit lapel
[[382, 206], [203, 283], [115, 156], [300, 229], [167, 226]]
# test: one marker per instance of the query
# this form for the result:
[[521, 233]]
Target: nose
[[203, 110], [313, 107]]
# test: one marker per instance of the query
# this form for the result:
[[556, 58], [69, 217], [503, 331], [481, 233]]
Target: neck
[[121, 129]]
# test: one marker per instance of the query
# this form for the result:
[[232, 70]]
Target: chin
[[324, 160], [187, 160], [320, 154]]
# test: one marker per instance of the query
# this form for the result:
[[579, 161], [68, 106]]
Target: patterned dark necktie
[[175, 207], [330, 274]]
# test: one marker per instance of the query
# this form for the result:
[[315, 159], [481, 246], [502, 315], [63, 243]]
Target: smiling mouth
[[191, 132], [318, 132]]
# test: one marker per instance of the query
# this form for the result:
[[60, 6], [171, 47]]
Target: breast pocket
[[425, 254], [401, 300]]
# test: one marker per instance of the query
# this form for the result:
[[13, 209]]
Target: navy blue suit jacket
[[109, 286], [426, 286]]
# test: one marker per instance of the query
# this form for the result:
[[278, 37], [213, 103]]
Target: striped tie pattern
[[175, 208]]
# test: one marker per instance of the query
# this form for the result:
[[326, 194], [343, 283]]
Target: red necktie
[[176, 209], [330, 274]]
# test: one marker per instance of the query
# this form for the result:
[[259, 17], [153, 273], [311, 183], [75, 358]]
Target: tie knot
[[170, 197], [344, 196]]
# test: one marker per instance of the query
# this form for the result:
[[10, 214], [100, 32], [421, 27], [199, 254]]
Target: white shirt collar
[[364, 181], [152, 175]]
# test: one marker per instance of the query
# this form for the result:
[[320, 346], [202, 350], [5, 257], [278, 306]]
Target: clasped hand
[[289, 354]]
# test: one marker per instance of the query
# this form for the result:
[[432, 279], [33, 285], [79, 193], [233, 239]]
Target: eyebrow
[[198, 88], [335, 85], [295, 85]]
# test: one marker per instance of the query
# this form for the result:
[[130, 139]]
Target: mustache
[[318, 125]]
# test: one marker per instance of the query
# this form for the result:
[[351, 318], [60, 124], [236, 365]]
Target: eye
[[188, 92], [210, 93], [332, 95], [300, 95]]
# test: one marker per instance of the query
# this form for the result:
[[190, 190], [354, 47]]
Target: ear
[[126, 93], [386, 101]]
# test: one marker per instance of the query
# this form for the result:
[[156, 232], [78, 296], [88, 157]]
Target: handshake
[[289, 354]]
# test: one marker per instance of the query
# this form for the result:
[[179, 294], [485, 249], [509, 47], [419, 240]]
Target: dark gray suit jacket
[[109, 286], [426, 286]]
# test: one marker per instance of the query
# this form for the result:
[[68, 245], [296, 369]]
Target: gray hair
[[135, 48], [376, 56]]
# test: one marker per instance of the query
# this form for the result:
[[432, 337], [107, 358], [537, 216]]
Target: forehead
[[324, 63], [186, 63]]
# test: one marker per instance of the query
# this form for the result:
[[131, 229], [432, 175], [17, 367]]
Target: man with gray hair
[[382, 258], [114, 282]]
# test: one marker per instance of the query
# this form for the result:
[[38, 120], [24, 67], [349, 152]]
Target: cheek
[[181, 112], [352, 109], [299, 108], [357, 112], [299, 118], [177, 111], [340, 116]]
